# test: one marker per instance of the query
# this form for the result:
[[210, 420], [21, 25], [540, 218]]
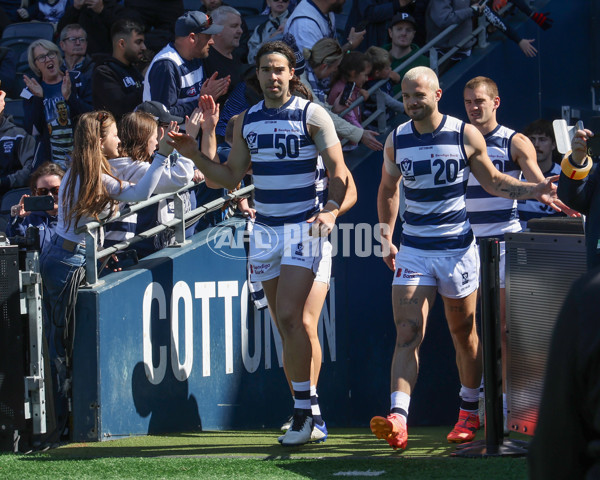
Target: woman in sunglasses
[[51, 102], [45, 180]]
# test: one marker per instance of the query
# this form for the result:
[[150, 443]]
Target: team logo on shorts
[[398, 273], [406, 167], [465, 278]]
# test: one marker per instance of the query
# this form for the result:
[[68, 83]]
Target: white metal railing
[[380, 112], [91, 229]]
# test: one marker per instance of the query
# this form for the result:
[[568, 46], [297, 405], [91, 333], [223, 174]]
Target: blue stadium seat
[[14, 108], [29, 29], [254, 21], [192, 4]]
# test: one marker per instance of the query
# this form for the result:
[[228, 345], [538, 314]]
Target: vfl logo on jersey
[[299, 249], [251, 140], [406, 167], [465, 278]]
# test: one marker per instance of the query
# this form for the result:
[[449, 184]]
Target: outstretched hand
[[215, 87], [545, 191], [210, 112], [164, 148], [185, 144]]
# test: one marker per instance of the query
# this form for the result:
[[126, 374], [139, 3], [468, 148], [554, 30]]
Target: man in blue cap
[[176, 75]]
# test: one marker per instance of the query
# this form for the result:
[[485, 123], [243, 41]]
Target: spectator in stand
[[313, 20], [89, 191], [402, 33], [8, 72], [73, 42], [140, 134], [541, 19], [380, 70], [524, 44], [44, 11], [322, 61], [354, 68], [209, 6], [52, 103], [118, 85], [443, 13], [272, 27], [374, 16], [222, 59], [17, 152], [10, 9], [45, 180], [96, 17], [176, 76], [541, 135], [158, 18]]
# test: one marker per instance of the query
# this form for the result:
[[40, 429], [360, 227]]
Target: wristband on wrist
[[574, 171], [330, 212], [336, 204]]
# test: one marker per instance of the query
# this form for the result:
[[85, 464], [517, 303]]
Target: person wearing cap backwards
[[402, 33], [282, 138], [176, 75]]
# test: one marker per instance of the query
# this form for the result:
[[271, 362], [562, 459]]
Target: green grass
[[256, 454]]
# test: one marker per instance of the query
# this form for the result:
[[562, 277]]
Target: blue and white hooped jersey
[[529, 209], [434, 168], [492, 216], [284, 161], [191, 75]]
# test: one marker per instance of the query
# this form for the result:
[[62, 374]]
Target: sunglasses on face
[[47, 191]]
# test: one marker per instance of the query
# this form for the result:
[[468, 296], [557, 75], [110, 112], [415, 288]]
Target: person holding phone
[[45, 182]]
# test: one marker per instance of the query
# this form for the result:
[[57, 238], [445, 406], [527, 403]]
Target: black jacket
[[117, 87]]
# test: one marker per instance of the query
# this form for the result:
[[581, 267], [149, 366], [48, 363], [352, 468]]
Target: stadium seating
[[32, 30], [14, 109]]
